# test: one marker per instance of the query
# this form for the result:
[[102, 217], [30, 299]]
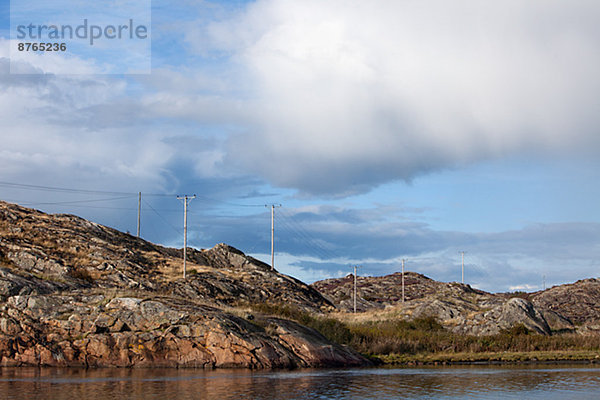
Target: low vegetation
[[427, 336], [331, 328], [519, 294], [81, 274], [5, 261], [426, 340]]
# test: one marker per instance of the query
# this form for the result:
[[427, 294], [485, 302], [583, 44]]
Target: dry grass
[[172, 269], [389, 313], [425, 339], [331, 328], [426, 336], [82, 274], [503, 357]]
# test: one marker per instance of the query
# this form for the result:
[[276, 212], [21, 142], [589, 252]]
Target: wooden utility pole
[[273, 234], [356, 267], [139, 213], [403, 280], [463, 266], [186, 199]]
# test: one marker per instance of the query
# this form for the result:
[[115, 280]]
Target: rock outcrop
[[376, 292], [63, 252], [80, 330], [462, 309], [76, 293], [578, 302]]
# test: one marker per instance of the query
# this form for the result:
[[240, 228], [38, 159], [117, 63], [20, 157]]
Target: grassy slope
[[424, 340], [490, 357]]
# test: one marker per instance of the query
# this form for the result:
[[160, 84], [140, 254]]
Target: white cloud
[[333, 97], [524, 287], [51, 133], [350, 94]]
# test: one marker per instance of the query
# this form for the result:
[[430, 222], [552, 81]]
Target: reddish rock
[[76, 293]]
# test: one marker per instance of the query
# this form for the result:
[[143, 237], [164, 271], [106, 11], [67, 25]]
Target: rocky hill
[[377, 292], [462, 309], [76, 293], [579, 302]]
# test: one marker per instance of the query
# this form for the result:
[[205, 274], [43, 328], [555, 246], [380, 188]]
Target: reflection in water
[[475, 382]]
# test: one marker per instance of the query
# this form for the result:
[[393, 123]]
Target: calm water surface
[[487, 382]]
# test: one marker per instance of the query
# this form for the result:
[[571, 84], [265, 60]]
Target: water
[[473, 382]]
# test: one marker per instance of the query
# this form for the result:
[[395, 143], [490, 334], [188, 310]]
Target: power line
[[307, 242], [163, 218], [73, 202], [229, 203], [309, 239], [59, 189], [73, 205]]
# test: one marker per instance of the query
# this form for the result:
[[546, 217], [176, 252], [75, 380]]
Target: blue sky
[[404, 130]]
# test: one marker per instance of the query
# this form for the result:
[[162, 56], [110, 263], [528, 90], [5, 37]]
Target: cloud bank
[[352, 94], [336, 97], [329, 98]]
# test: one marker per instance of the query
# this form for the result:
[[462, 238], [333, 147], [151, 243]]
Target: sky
[[386, 130]]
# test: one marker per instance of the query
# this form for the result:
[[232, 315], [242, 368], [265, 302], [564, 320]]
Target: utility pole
[[463, 265], [139, 213], [355, 278], [544, 281], [273, 234], [186, 199], [403, 280]]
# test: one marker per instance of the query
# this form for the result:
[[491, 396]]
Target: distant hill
[[377, 292], [76, 293], [462, 309], [579, 302]]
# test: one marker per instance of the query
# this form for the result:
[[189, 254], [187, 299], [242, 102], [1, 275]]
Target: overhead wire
[[286, 220], [311, 238], [288, 223], [59, 189], [73, 202], [162, 217], [302, 241], [307, 239]]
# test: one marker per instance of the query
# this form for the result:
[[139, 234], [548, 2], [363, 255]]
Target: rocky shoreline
[[79, 294], [78, 331]]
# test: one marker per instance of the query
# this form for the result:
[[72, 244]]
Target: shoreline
[[489, 358], [579, 357]]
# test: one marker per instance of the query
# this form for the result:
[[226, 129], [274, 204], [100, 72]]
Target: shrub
[[516, 330], [81, 274], [334, 330], [519, 294], [426, 335]]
